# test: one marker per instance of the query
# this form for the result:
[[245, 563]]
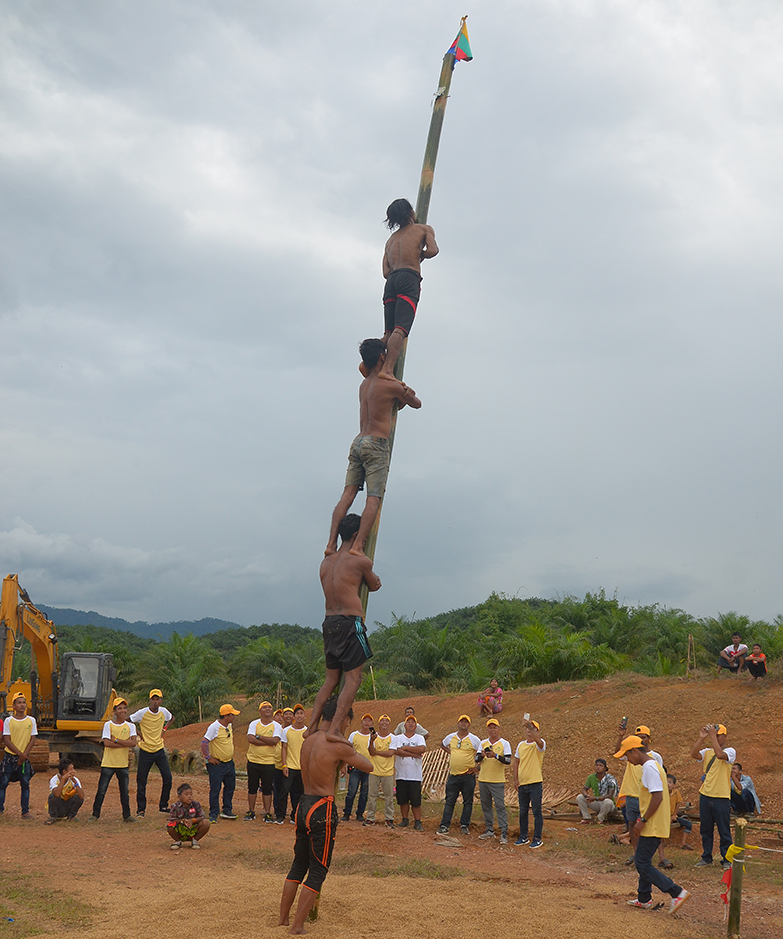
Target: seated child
[[66, 795], [186, 820], [679, 818], [756, 662]]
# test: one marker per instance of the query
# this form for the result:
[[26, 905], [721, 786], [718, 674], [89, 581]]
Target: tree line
[[518, 641]]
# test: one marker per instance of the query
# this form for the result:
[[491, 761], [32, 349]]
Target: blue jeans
[[465, 786], [357, 781], [225, 775], [10, 767], [631, 811], [649, 873], [146, 762], [714, 812], [123, 776], [530, 797]]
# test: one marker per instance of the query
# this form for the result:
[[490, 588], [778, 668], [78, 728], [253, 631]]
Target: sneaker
[[677, 902], [345, 818], [28, 815], [642, 906], [212, 819], [726, 865], [269, 819], [279, 821], [175, 845], [536, 843], [194, 844], [165, 809], [702, 863], [140, 814], [522, 840], [94, 818], [292, 821], [441, 831], [503, 839], [229, 814], [487, 835], [360, 818], [417, 825], [404, 823], [249, 817], [369, 824], [129, 820], [464, 829], [389, 823]]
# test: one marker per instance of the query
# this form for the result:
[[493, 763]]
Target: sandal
[[613, 839], [686, 847], [666, 865]]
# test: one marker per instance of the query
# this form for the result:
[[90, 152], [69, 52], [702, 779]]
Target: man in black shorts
[[345, 637], [409, 245], [317, 815]]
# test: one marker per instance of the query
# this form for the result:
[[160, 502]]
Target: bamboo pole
[[737, 871], [422, 211]]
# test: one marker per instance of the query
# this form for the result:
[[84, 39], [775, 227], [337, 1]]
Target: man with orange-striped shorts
[[316, 815]]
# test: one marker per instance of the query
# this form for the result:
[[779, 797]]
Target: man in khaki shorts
[[368, 460]]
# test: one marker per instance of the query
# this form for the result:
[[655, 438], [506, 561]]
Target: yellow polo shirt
[[462, 752], [493, 771], [221, 741], [295, 740], [151, 724], [256, 753], [717, 783], [382, 765], [531, 760], [654, 777], [20, 730], [117, 757]]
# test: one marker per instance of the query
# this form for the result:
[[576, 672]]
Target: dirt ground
[[109, 880]]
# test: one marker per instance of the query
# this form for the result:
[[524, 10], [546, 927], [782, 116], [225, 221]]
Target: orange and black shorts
[[316, 825]]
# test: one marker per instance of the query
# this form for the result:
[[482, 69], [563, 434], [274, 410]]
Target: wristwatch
[[642, 819]]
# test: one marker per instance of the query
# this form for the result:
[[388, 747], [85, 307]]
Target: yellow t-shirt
[[674, 800], [221, 741], [658, 825], [462, 753], [361, 743], [20, 730], [382, 765], [632, 781], [116, 757], [151, 724], [279, 748], [717, 783], [256, 753], [295, 740], [493, 771], [530, 762]]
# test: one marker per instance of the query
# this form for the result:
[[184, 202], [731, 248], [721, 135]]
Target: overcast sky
[[191, 239]]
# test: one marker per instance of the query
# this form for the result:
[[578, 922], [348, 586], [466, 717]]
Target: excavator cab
[[85, 686]]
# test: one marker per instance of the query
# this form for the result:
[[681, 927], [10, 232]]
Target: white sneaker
[[677, 902], [641, 906], [176, 845]]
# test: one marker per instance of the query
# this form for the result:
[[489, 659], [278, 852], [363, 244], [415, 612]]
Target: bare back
[[341, 575], [320, 759], [408, 247], [376, 400]]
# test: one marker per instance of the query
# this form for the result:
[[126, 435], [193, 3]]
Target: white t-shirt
[[106, 735], [407, 767], [277, 730], [730, 752], [54, 782], [651, 778], [657, 757], [742, 649]]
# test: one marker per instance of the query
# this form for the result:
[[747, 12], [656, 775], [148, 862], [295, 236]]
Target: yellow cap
[[493, 721], [630, 743], [384, 717], [463, 717], [641, 729], [721, 729], [299, 707], [17, 696], [286, 710], [368, 715], [156, 693], [278, 711], [265, 704], [118, 702], [228, 709]]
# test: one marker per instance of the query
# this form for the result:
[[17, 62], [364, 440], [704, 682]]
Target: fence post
[[737, 870]]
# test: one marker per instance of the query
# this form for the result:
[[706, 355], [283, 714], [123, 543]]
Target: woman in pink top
[[489, 701]]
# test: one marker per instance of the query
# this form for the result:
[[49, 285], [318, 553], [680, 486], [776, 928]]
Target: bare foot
[[284, 921], [297, 932]]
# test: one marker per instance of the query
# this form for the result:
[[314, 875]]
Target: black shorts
[[316, 824], [345, 642], [400, 299], [409, 792], [260, 776]]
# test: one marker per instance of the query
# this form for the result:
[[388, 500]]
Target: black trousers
[[146, 762]]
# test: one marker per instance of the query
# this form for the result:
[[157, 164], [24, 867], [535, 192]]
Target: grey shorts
[[368, 461]]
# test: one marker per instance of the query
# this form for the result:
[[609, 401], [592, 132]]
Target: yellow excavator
[[70, 696]]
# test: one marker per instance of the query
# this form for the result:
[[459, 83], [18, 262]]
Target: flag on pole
[[461, 47]]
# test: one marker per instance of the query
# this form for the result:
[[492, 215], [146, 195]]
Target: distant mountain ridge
[[158, 631]]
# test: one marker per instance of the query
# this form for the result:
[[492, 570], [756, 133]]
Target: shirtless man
[[405, 250], [345, 637], [317, 816], [369, 456]]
